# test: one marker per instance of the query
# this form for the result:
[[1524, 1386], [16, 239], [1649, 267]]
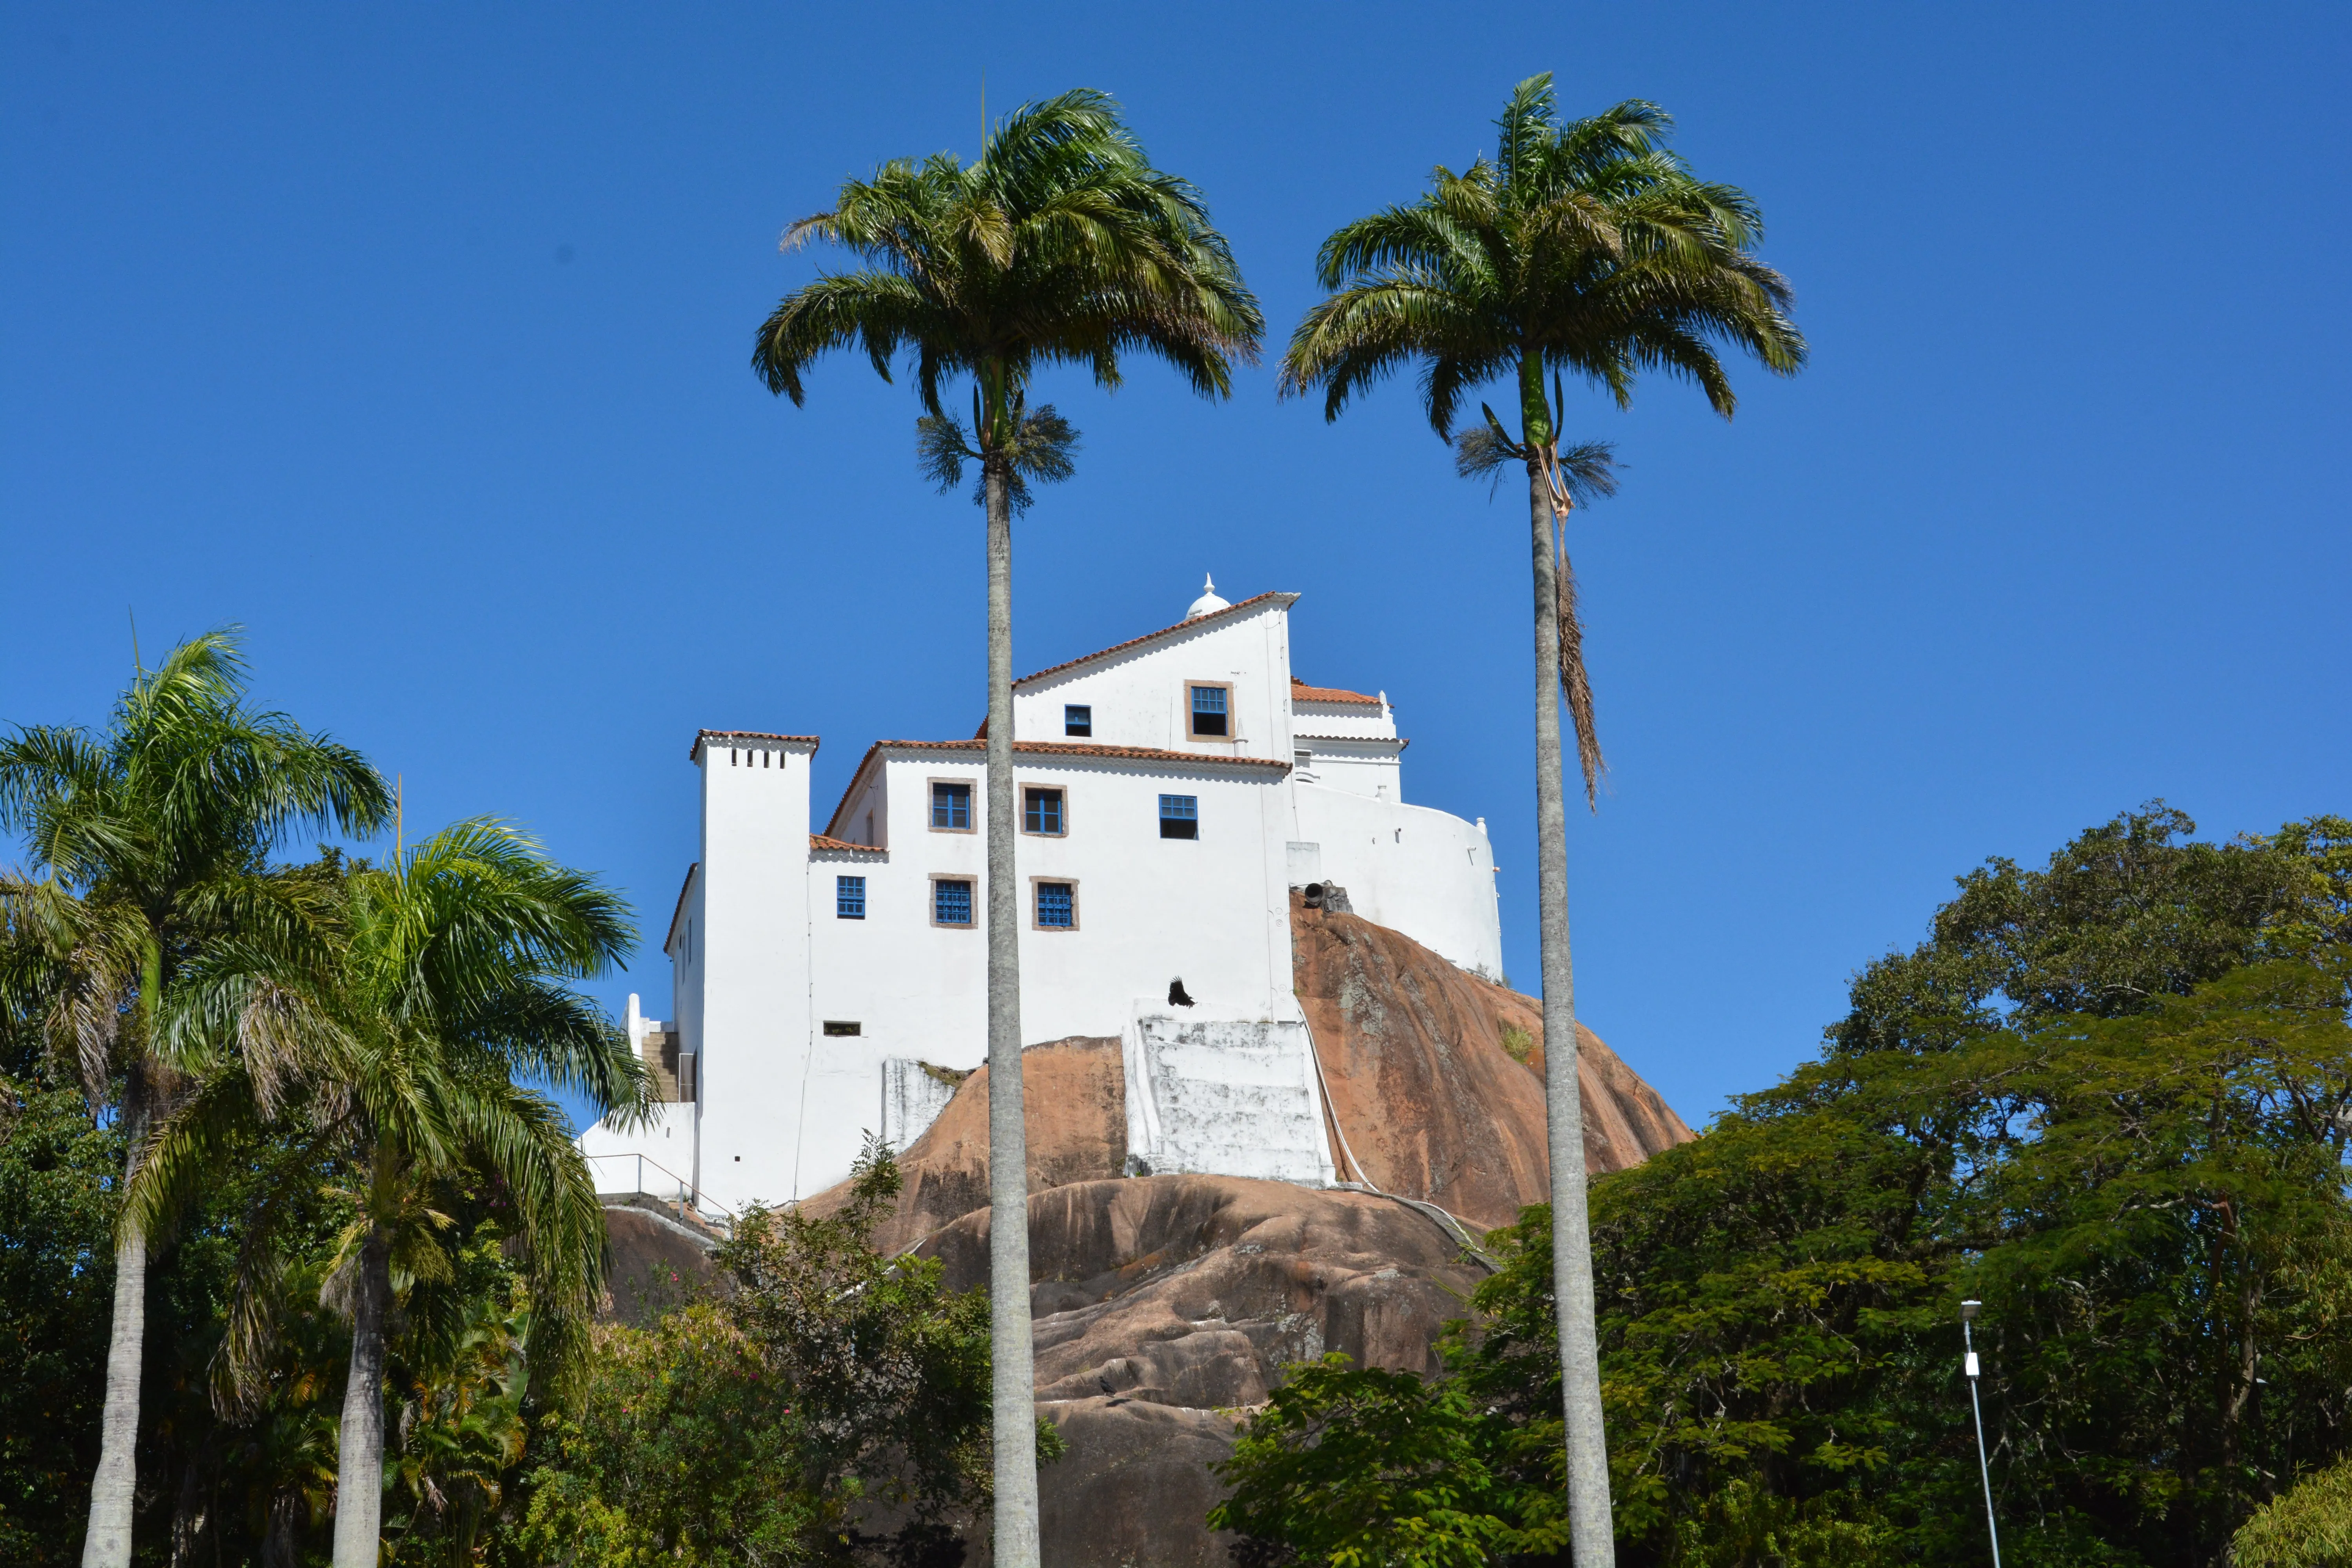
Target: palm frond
[[1575, 685], [1588, 470], [1586, 242], [1059, 245], [1525, 129], [941, 450], [1484, 452]]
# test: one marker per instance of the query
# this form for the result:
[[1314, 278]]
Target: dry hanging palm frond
[[1573, 682], [1584, 472]]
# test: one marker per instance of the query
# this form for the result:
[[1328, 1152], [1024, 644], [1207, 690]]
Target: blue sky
[[413, 339]]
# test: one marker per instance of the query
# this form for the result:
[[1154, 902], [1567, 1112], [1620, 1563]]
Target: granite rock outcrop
[[1437, 1075], [1166, 1306]]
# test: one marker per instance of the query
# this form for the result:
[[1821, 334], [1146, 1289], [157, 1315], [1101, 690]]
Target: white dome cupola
[[1208, 604]]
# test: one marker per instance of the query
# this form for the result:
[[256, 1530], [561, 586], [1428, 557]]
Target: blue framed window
[[950, 903], [1041, 811], [1057, 906], [1211, 706], [1179, 816], [1078, 719], [951, 806], [849, 898]]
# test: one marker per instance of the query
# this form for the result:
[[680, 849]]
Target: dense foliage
[[1362, 1466], [2110, 1098], [2308, 1527], [828, 1405], [57, 1278], [251, 1481], [831, 1405], [279, 1124]]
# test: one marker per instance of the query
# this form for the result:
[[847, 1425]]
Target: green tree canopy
[[146, 843], [2111, 1098], [1059, 245], [398, 1032], [829, 1405]]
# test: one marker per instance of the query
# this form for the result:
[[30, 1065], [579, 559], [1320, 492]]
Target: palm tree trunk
[[1013, 1368], [358, 1453], [1591, 1534], [107, 1542]]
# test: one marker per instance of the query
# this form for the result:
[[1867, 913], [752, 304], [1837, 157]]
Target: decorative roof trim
[[1214, 615], [865, 764], [678, 913], [783, 742], [821, 845], [1081, 749], [1044, 749]]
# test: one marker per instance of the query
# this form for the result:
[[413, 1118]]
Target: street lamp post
[[1969, 1310]]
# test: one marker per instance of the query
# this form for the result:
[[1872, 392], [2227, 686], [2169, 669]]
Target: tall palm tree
[[1583, 247], [1059, 245], [400, 1036], [147, 842]]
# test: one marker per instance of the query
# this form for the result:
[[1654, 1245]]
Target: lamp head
[[1969, 1310]]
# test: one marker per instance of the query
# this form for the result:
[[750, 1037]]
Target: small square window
[[1078, 719], [1041, 811], [950, 903], [1210, 711], [843, 1026], [1057, 906], [1179, 816], [951, 806], [849, 898]]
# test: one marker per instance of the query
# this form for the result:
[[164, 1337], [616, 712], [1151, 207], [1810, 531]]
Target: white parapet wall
[[656, 1160], [1222, 1096], [913, 1095]]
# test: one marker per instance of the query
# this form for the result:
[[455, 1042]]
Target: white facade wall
[[1426, 873], [913, 1095], [747, 983], [1372, 720], [1374, 769], [1141, 695], [656, 1159], [761, 962], [1213, 911]]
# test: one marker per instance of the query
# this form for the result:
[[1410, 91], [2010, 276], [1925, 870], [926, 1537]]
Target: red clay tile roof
[[819, 841], [1042, 749], [1164, 631], [701, 735], [1302, 692]]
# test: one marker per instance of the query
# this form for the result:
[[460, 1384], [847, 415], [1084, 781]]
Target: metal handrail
[[688, 1192], [1446, 1220]]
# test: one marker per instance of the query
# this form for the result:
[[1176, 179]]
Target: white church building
[[1172, 790]]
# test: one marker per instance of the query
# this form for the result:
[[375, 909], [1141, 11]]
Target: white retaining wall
[[1228, 1097]]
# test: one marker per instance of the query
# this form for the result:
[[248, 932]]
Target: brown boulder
[[1166, 1305], [1429, 1101], [1163, 1304], [653, 1261], [1073, 1101], [1134, 1485]]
